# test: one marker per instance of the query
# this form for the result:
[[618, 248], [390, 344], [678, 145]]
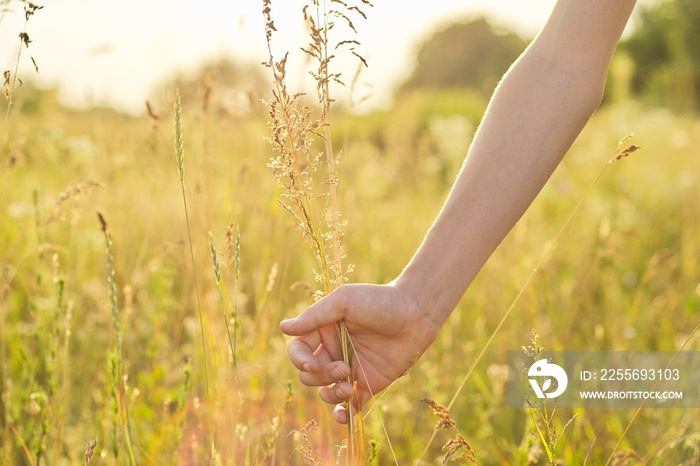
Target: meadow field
[[623, 275], [147, 261]]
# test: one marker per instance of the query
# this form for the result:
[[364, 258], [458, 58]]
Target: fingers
[[308, 352], [328, 374], [339, 394], [301, 352], [340, 414], [336, 393], [315, 364], [327, 311]]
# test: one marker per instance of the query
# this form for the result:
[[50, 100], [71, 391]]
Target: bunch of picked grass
[[308, 193]]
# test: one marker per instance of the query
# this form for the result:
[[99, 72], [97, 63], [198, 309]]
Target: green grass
[[624, 275]]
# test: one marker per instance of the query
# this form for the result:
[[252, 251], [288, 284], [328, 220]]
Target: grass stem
[[180, 156], [123, 404]]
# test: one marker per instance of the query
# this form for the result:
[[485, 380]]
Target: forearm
[[536, 113]]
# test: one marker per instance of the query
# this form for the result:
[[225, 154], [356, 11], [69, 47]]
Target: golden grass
[[312, 200], [624, 275]]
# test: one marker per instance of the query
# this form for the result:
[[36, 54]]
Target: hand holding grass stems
[[295, 129]]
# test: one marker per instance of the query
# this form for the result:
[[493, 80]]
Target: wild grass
[[312, 200], [622, 276], [180, 158], [10, 79], [118, 380], [627, 249], [543, 417]]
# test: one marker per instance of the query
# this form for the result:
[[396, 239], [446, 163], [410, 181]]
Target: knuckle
[[342, 298]]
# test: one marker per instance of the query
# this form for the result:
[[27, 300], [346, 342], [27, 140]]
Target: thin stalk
[[65, 377], [10, 95], [23, 444], [29, 11], [237, 263], [5, 280], [330, 157], [231, 337], [180, 156], [125, 420], [50, 415], [590, 448], [356, 446], [236, 274], [379, 414]]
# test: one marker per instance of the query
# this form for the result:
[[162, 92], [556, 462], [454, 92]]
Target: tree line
[[658, 62]]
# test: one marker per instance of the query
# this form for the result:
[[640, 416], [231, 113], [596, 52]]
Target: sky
[[118, 52]]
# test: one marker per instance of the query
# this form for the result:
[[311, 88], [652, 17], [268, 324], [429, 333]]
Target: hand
[[388, 332]]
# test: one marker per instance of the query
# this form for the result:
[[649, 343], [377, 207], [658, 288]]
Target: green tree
[[472, 55], [665, 51]]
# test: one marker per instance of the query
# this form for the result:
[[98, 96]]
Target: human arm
[[536, 113], [534, 116]]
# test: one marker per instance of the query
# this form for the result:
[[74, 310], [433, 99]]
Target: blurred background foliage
[[664, 50], [467, 55], [658, 62]]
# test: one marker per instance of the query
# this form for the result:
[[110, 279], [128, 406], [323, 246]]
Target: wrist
[[426, 305]]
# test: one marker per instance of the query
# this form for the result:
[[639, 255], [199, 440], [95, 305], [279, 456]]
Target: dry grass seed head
[[457, 449], [442, 413], [90, 451], [24, 37], [535, 348], [71, 193], [627, 458], [151, 111], [306, 449], [103, 221], [30, 9], [269, 24], [7, 84], [625, 152]]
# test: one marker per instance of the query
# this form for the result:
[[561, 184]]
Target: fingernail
[[286, 321], [306, 367]]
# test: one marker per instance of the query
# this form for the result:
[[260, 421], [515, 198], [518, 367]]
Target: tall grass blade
[[180, 157], [230, 335], [123, 405]]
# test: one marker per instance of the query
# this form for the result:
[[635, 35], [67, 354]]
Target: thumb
[[327, 311]]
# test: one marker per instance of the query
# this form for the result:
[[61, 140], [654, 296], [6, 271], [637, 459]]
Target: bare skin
[[536, 113]]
